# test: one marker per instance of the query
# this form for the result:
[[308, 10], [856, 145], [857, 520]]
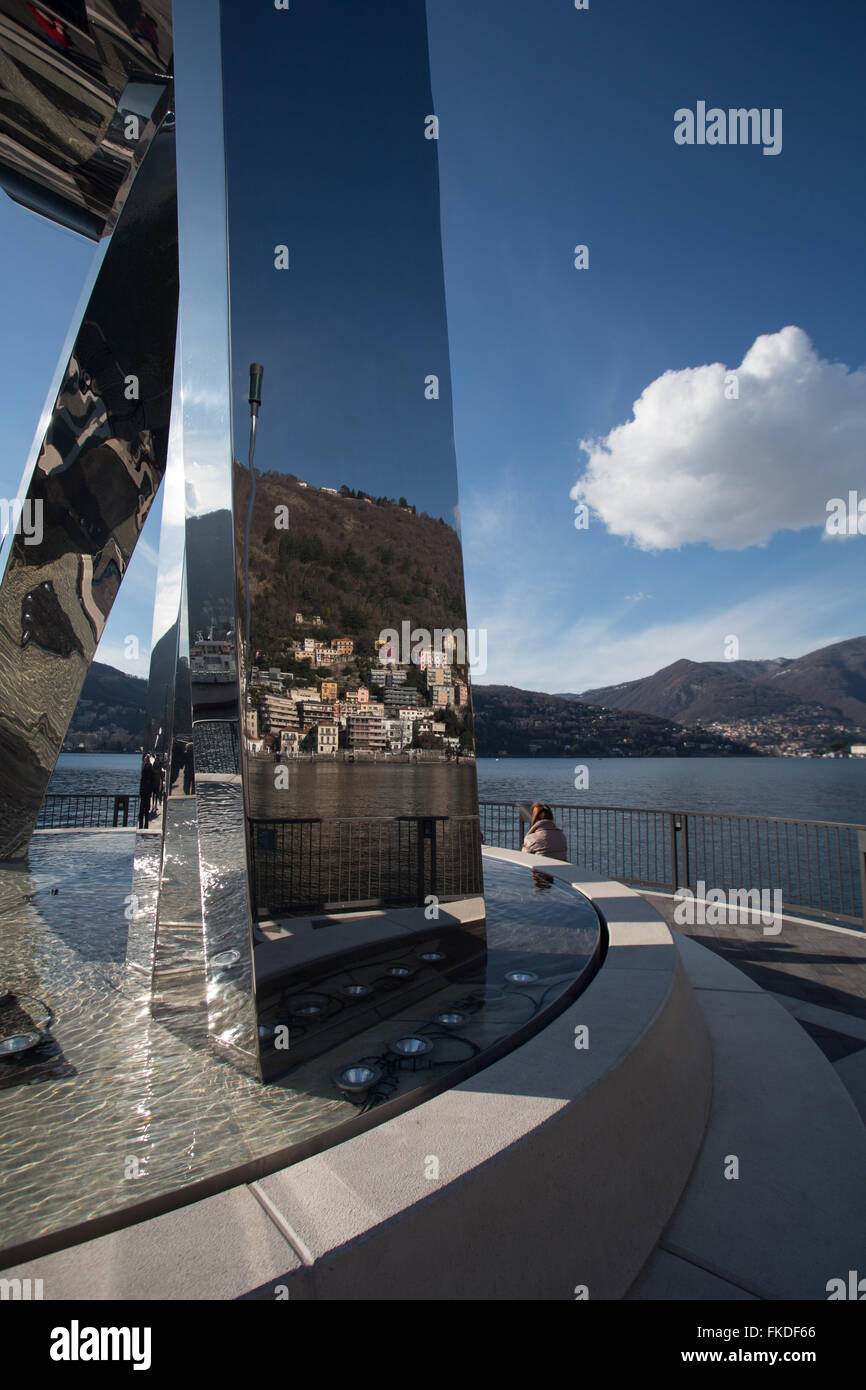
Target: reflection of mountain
[[160, 688], [210, 579], [693, 692], [110, 701], [359, 564], [524, 723]]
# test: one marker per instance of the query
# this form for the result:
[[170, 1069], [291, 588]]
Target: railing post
[[681, 851], [425, 832], [861, 855]]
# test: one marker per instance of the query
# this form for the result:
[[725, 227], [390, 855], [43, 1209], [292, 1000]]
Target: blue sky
[[706, 514]]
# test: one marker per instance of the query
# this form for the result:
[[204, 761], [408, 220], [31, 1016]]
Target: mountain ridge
[[692, 692]]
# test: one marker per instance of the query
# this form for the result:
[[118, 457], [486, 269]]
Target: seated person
[[544, 836]]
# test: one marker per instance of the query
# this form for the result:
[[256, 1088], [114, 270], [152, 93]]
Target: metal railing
[[301, 867], [73, 811], [819, 867]]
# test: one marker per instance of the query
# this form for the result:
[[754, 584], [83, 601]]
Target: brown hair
[[540, 811]]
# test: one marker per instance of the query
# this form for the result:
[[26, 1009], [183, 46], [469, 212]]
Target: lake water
[[801, 788]]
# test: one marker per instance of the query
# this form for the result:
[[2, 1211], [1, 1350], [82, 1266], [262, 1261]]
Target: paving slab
[[796, 1215]]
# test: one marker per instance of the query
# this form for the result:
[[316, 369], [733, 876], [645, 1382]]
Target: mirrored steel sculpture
[[308, 799]]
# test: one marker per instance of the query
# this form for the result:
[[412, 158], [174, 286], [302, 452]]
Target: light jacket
[[546, 838]]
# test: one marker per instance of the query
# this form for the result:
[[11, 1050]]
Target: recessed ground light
[[19, 1042], [308, 1005], [452, 1019], [432, 955], [356, 1079], [356, 991], [226, 958], [400, 972], [411, 1046], [521, 977]]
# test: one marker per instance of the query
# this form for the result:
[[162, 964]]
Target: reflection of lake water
[[330, 789]]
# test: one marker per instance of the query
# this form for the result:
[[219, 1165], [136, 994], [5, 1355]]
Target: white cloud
[[695, 466]]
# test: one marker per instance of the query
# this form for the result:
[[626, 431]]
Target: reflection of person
[[145, 793], [541, 882], [545, 836], [188, 771], [178, 752], [158, 784]]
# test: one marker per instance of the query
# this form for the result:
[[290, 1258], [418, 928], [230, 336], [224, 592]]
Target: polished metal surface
[[166, 843], [337, 299], [83, 86], [100, 464], [212, 593]]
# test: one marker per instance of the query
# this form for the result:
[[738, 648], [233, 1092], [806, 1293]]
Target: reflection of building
[[329, 690], [395, 734], [278, 713], [395, 696], [432, 656], [328, 739], [365, 732], [344, 646], [313, 711], [212, 662], [290, 741]]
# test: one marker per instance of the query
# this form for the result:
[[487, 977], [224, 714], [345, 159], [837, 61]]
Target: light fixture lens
[[357, 1078], [356, 991], [450, 1020], [432, 955], [521, 977], [400, 972], [306, 1005], [411, 1046]]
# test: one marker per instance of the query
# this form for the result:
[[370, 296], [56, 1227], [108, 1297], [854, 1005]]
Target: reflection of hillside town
[[335, 701]]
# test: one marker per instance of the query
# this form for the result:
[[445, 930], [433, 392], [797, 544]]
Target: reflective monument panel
[[350, 625], [307, 802], [96, 474]]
